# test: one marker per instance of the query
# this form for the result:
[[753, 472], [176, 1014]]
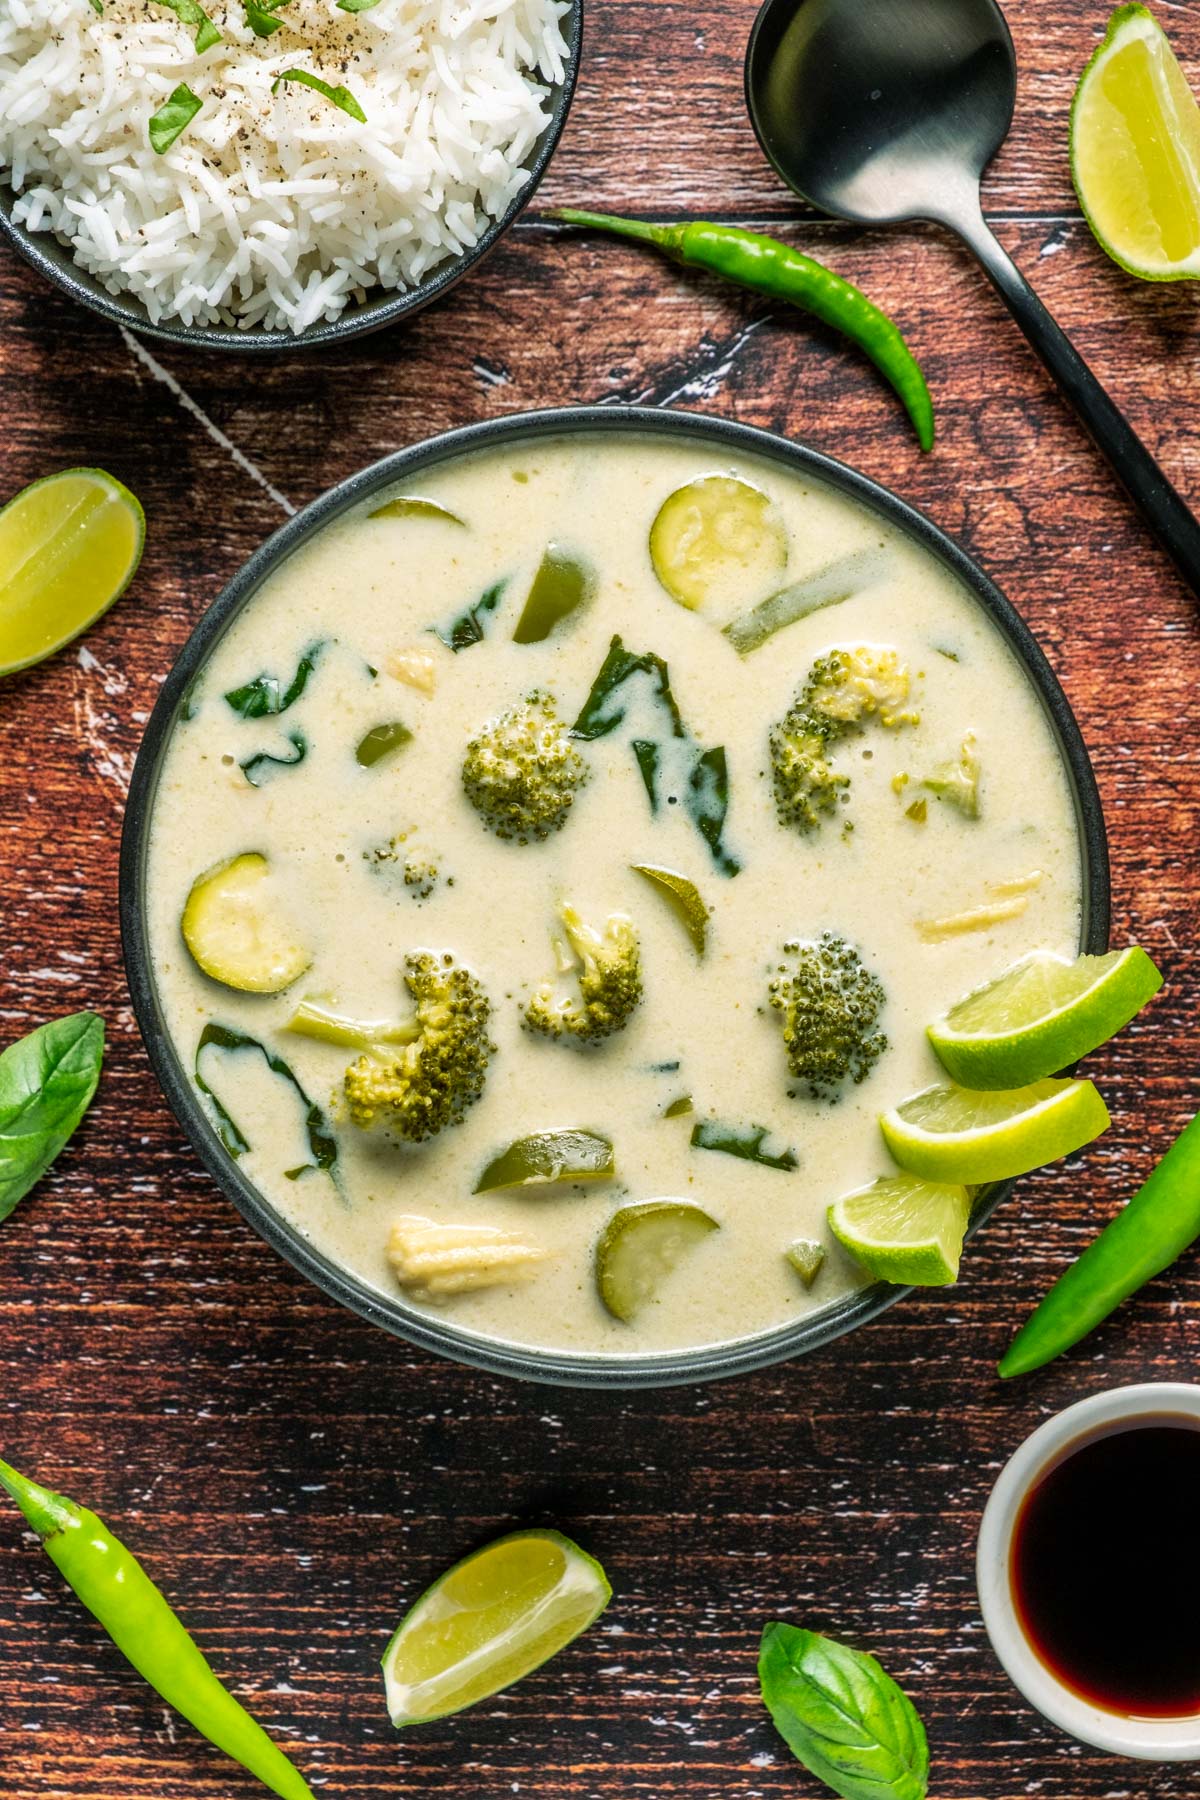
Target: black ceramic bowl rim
[[54, 260], [443, 1336]]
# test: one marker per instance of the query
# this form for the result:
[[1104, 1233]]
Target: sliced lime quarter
[[1135, 151], [491, 1619], [69, 546], [1041, 1015], [903, 1229], [953, 1134]]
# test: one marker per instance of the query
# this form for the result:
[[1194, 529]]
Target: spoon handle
[[1167, 514]]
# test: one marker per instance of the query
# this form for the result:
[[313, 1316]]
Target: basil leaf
[[699, 777], [356, 6], [842, 1716], [745, 1141], [340, 96], [707, 803], [602, 711], [46, 1085], [265, 697], [647, 755], [258, 769], [172, 117], [468, 627], [188, 12], [97, 6], [322, 1144]]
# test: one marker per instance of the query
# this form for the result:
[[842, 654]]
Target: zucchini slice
[[717, 540], [235, 931], [640, 1246]]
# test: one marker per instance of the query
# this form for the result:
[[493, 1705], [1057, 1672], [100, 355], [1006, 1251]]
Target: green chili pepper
[[769, 267], [1157, 1226], [116, 1589], [561, 586], [381, 741]]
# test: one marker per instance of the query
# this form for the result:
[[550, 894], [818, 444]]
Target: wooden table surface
[[290, 1475]]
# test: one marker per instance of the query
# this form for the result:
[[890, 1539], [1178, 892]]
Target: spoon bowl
[[882, 111], [867, 111]]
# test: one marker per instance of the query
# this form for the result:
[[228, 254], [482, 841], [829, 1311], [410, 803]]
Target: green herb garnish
[[745, 1141], [340, 96], [322, 1144], [189, 13], [842, 1716], [259, 768], [260, 16], [97, 6], [265, 697], [356, 6], [468, 627], [47, 1080], [172, 117]]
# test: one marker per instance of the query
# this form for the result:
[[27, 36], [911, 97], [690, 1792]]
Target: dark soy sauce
[[1105, 1568]]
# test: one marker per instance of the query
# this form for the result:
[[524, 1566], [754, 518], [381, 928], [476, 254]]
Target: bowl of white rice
[[257, 175]]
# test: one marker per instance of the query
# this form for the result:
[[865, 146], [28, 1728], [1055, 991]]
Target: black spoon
[[882, 111]]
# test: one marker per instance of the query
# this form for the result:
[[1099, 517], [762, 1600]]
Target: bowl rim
[[572, 1369], [46, 253]]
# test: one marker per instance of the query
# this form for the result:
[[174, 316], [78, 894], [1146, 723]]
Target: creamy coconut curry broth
[[314, 827]]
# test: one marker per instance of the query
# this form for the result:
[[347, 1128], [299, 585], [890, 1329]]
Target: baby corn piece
[[434, 1261], [414, 667], [979, 918]]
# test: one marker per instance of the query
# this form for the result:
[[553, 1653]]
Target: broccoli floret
[[421, 876], [829, 1005], [958, 782], [608, 968], [428, 1084], [849, 686], [522, 772], [415, 869], [843, 689], [806, 787]]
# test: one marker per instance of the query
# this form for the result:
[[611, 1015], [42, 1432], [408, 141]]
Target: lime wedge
[[903, 1229], [488, 1621], [1135, 151], [1042, 1014], [949, 1133], [69, 545]]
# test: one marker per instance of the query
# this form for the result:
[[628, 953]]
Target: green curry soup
[[600, 935]]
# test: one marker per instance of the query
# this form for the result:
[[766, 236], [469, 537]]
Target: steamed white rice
[[271, 210]]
